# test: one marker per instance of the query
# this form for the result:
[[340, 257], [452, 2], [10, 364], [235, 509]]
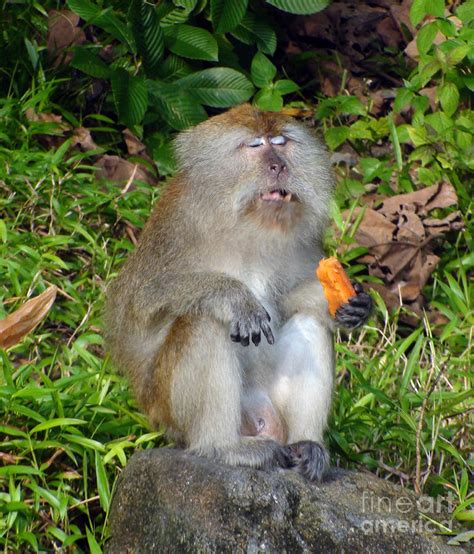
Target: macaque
[[217, 317]]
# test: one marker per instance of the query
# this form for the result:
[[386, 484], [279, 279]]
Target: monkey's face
[[257, 166], [267, 190]]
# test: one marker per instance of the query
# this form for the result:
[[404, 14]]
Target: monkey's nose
[[276, 168]]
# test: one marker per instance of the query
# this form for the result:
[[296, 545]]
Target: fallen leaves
[[63, 32], [55, 131], [401, 240], [22, 321], [121, 171]]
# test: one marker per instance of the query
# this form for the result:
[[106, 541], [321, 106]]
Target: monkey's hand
[[356, 311], [249, 321]]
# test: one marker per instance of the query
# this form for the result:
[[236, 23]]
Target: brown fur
[[261, 123], [157, 398]]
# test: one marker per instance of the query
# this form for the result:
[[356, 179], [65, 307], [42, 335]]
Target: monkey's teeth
[[276, 196]]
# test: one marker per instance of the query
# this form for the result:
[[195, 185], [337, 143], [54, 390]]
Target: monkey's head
[[264, 167]]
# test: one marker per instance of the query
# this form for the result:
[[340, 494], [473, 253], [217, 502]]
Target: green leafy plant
[[158, 70]]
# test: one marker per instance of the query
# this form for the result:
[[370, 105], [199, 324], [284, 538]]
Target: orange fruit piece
[[336, 284]]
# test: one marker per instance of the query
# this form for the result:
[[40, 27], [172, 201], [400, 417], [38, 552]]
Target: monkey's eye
[[280, 139], [256, 142]]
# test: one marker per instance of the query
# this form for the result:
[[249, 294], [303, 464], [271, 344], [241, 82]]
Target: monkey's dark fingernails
[[267, 331], [235, 338], [357, 287], [256, 337], [245, 341]]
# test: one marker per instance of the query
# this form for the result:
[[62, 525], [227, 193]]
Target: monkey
[[217, 317]]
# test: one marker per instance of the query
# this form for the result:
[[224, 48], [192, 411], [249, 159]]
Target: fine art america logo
[[408, 513]]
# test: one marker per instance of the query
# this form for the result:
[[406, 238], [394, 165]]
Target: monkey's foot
[[309, 458], [356, 311], [258, 452]]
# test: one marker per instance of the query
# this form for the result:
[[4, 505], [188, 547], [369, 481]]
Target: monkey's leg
[[302, 389], [205, 395]]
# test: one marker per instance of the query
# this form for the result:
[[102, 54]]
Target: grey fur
[[202, 257]]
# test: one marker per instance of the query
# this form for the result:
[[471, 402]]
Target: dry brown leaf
[[298, 112], [401, 15], [119, 170], [452, 222], [412, 49], [442, 195], [22, 321], [401, 240], [63, 32], [134, 145], [83, 139], [389, 32]]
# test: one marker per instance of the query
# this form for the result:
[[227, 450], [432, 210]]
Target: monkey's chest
[[260, 284]]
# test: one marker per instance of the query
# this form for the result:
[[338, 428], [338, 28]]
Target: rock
[[171, 501]]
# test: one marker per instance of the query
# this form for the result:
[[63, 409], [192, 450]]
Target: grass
[[403, 401]]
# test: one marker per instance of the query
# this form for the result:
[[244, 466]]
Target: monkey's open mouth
[[277, 195]]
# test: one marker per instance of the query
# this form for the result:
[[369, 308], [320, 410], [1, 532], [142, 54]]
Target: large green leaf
[[285, 86], [115, 26], [227, 15], [191, 42], [148, 35], [169, 17], [177, 107], [105, 19], [255, 30], [187, 4], [301, 7], [269, 100], [174, 68], [131, 97], [219, 87], [262, 70], [85, 10], [88, 61], [448, 95]]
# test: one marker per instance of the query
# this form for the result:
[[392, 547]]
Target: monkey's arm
[[209, 294], [309, 298]]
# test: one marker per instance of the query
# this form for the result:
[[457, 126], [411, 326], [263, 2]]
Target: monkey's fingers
[[357, 287], [351, 316], [267, 331], [256, 337], [234, 331], [362, 298], [245, 332]]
